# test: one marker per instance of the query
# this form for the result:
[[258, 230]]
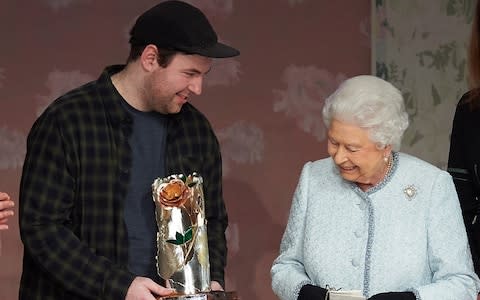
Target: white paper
[[346, 295]]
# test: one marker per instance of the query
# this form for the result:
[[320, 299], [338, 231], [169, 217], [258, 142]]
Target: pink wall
[[264, 105]]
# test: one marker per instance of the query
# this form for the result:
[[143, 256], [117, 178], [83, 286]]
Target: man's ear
[[149, 58]]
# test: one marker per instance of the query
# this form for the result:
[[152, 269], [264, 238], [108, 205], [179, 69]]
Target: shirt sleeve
[[459, 166], [47, 198], [288, 271]]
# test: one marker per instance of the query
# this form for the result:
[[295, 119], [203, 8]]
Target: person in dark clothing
[[87, 219], [464, 165], [464, 154]]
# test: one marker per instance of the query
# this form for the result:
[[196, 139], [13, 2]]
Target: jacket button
[[354, 262]]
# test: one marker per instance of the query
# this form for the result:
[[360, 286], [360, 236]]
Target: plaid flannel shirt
[[73, 186]]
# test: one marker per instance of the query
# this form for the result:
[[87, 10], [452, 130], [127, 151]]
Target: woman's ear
[[388, 150]]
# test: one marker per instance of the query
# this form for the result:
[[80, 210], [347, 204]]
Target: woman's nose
[[339, 156]]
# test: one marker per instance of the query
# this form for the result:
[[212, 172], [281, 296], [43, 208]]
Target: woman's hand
[[311, 292]]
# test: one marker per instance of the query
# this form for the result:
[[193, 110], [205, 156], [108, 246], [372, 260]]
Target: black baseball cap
[[179, 26]]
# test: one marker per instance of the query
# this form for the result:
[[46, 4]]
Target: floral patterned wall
[[420, 47], [264, 105]]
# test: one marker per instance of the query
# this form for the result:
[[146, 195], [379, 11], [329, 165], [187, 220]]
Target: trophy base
[[204, 296]]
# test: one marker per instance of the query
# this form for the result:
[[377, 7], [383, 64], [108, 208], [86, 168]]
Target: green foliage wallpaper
[[420, 46]]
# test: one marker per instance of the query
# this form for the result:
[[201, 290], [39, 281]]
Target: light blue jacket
[[405, 234]]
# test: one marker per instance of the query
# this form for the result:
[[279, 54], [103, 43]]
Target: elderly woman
[[370, 218]]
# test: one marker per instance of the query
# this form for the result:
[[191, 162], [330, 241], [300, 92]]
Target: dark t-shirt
[[147, 142]]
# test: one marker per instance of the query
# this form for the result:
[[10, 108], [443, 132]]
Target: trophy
[[182, 243]]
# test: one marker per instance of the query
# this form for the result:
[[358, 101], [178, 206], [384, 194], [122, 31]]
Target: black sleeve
[[460, 164], [464, 170], [394, 296], [311, 292]]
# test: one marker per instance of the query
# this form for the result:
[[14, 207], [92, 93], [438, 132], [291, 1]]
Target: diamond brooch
[[410, 191]]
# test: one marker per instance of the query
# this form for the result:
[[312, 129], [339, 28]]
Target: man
[[6, 211], [86, 212]]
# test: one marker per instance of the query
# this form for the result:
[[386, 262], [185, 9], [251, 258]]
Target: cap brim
[[218, 50]]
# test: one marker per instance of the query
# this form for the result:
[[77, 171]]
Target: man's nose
[[195, 85]]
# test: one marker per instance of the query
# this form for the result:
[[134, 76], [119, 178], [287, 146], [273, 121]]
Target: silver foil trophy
[[182, 244]]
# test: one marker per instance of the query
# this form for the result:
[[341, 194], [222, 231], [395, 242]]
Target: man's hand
[[143, 288], [6, 211], [215, 286]]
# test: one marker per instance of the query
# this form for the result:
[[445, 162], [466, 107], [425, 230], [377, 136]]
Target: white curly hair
[[370, 103]]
